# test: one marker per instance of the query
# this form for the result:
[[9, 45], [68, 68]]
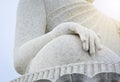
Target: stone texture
[[55, 73], [58, 37]]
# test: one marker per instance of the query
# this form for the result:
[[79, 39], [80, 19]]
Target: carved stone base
[[101, 77], [78, 72]]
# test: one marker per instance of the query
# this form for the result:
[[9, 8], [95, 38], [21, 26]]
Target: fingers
[[84, 39], [92, 43], [86, 42], [82, 35], [97, 43]]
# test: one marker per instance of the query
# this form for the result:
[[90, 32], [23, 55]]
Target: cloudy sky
[[7, 30]]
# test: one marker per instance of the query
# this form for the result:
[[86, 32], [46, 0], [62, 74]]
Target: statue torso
[[59, 11]]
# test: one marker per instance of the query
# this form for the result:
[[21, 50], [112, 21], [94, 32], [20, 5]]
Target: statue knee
[[66, 48]]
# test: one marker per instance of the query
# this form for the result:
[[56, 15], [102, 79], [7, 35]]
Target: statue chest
[[59, 11]]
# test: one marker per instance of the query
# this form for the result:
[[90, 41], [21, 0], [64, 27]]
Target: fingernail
[[86, 48], [92, 53]]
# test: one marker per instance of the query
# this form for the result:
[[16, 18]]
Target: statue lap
[[67, 49]]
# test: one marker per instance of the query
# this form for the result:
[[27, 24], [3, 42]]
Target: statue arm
[[31, 23], [29, 50]]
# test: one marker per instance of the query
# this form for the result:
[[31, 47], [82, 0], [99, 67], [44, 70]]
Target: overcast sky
[[7, 30]]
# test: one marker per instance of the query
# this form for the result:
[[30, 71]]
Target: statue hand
[[90, 40]]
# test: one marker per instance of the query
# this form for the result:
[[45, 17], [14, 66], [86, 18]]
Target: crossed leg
[[67, 49]]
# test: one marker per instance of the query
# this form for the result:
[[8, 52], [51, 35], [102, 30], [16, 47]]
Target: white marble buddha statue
[[52, 33]]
